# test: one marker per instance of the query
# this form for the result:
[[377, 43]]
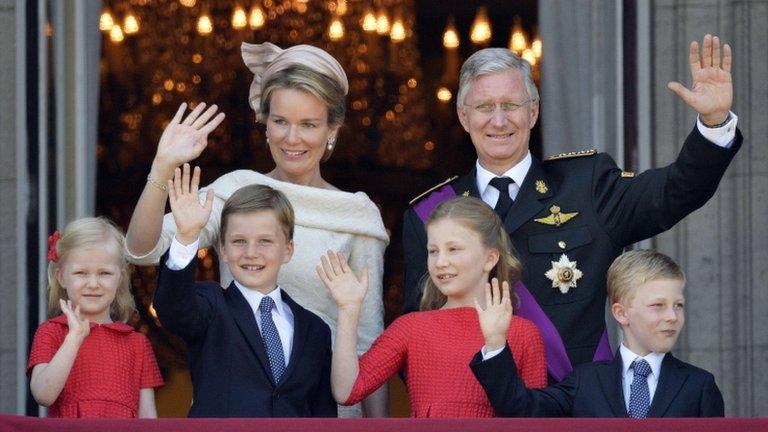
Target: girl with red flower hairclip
[[52, 240], [85, 361]]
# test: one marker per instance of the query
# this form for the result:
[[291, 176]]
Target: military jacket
[[581, 206]]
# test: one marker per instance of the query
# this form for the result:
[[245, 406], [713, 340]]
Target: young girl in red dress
[[468, 250], [86, 362]]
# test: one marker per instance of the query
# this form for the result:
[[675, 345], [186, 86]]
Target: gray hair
[[493, 60]]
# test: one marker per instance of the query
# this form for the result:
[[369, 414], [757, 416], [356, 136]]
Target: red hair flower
[[52, 240]]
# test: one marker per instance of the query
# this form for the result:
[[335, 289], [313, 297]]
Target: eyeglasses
[[506, 107]]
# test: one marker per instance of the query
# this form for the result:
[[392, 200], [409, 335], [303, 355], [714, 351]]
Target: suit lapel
[[529, 199], [671, 380], [243, 314], [300, 333], [610, 379]]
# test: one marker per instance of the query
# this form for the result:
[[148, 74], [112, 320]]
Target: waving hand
[[711, 93]]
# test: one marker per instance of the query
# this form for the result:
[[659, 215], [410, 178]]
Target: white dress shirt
[[627, 375], [490, 194], [181, 255], [722, 136]]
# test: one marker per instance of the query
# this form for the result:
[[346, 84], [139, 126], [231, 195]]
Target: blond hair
[[634, 268], [310, 81], [256, 197], [478, 217], [92, 231]]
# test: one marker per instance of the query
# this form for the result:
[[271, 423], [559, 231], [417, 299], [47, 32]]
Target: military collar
[[467, 185], [517, 173], [536, 183]]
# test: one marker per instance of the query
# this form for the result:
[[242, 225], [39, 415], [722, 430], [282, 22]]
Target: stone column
[[25, 207], [721, 246], [581, 86], [12, 210]]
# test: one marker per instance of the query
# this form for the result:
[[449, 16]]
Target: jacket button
[[275, 395], [561, 244]]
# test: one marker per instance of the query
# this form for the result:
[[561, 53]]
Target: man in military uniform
[[571, 215]]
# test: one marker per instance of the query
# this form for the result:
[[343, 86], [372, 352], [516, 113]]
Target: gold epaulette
[[439, 185], [572, 154]]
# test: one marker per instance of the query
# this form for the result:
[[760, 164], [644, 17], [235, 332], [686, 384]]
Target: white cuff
[[722, 136], [179, 255], [487, 355]]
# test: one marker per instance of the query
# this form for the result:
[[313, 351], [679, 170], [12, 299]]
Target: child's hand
[[184, 140], [495, 318], [79, 327], [346, 289], [189, 214]]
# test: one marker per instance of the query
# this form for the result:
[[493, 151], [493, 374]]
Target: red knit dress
[[434, 349], [112, 365]]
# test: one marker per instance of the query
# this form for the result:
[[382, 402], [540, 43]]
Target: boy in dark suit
[[253, 352], [643, 380]]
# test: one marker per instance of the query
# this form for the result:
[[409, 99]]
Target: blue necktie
[[639, 395], [505, 201], [271, 338]]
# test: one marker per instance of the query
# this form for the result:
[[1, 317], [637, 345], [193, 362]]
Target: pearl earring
[[331, 142]]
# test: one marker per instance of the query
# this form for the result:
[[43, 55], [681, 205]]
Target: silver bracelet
[[156, 183], [725, 122]]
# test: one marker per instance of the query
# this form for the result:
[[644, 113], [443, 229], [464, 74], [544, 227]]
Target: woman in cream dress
[[299, 94]]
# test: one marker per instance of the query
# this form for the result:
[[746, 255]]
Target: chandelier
[[188, 50], [480, 34]]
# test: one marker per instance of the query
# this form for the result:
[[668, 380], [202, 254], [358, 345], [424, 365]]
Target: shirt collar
[[254, 297], [117, 326], [516, 173], [654, 359]]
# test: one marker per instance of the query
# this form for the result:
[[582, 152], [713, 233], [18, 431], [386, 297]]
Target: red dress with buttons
[[112, 365], [434, 349]]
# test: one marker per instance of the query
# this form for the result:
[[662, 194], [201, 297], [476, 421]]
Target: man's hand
[[711, 93]]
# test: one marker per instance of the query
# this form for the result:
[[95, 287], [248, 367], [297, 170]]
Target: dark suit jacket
[[227, 359], [595, 390], [614, 211]]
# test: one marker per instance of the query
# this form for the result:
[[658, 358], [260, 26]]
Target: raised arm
[[190, 216], [711, 92], [48, 379], [498, 374], [180, 307], [182, 141], [348, 292], [368, 252]]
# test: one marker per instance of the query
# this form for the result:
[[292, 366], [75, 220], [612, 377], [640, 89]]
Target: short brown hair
[[634, 268], [478, 217], [257, 197], [92, 231]]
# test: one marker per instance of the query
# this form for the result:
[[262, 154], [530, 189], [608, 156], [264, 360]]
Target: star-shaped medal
[[563, 274]]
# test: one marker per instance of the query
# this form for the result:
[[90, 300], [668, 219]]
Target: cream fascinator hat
[[266, 59]]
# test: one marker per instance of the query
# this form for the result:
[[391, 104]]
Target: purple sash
[[558, 363], [424, 207]]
